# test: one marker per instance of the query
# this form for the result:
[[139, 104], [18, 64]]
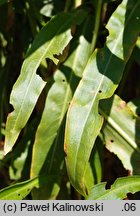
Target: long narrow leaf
[[57, 101], [100, 79], [55, 108], [51, 40], [48, 134]]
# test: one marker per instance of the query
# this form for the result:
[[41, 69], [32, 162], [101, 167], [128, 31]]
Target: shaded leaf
[[48, 136], [55, 108], [47, 190], [118, 190], [94, 168], [100, 79], [81, 48], [16, 168], [57, 103], [29, 85]]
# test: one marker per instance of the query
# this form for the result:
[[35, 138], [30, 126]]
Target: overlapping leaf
[[122, 132], [49, 128], [100, 79], [51, 40], [59, 96], [118, 191]]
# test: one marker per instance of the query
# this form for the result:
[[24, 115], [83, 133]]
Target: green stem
[[97, 24]]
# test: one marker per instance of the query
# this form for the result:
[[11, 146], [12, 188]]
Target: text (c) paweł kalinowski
[[56, 206]]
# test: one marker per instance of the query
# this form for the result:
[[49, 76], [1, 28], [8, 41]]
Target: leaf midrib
[[37, 65]]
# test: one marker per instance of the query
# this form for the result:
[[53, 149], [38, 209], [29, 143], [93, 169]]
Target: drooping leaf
[[121, 132], [48, 136], [119, 190], [50, 159], [57, 102], [54, 111], [51, 40], [100, 79]]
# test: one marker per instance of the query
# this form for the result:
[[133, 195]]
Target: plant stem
[[97, 24]]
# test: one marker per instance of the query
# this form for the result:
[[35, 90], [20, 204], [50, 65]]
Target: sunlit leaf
[[118, 191], [48, 136], [51, 40], [100, 79]]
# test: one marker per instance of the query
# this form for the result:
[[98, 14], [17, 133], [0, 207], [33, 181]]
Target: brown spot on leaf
[[122, 105]]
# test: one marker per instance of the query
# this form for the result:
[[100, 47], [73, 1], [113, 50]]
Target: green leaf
[[134, 105], [50, 160], [17, 165], [29, 85], [94, 168], [100, 79], [47, 191], [21, 156], [55, 108], [18, 191], [21, 190], [122, 132], [118, 190], [81, 47], [48, 136]]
